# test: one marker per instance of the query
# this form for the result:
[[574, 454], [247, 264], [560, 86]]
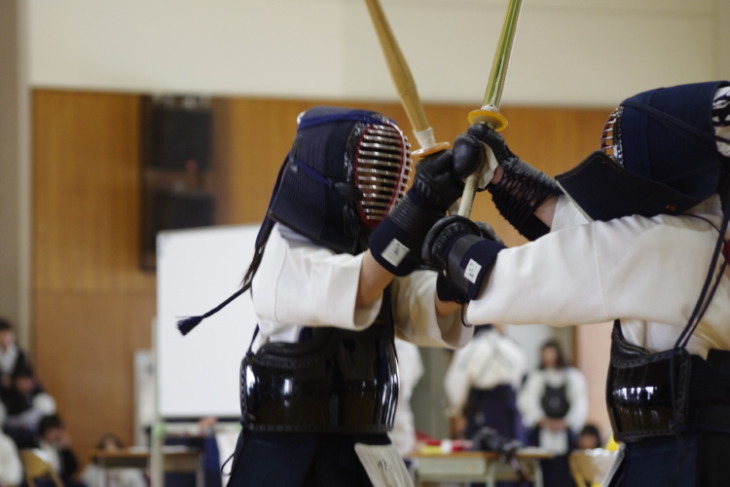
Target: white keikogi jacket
[[648, 272]]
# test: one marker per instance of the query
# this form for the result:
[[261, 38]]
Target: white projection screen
[[197, 374]]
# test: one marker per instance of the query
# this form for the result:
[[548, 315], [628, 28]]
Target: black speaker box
[[176, 133], [170, 209], [182, 209]]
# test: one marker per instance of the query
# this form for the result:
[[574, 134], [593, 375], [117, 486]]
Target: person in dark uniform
[[554, 404], [636, 233], [481, 384], [334, 279], [12, 357], [55, 442]]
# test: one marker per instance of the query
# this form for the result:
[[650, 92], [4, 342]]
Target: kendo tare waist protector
[[334, 381], [652, 395]]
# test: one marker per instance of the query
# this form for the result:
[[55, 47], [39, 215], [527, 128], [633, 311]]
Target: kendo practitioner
[[481, 384], [637, 234], [334, 278]]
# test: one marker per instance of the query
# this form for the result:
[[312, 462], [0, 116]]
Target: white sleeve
[[415, 314], [44, 403], [491, 363], [11, 470], [307, 285], [92, 476], [487, 361], [567, 214], [579, 275]]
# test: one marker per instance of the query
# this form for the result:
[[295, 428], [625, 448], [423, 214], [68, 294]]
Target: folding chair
[[37, 466], [590, 466]]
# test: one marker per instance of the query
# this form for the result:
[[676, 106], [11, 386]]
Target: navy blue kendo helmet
[[659, 155], [345, 171]]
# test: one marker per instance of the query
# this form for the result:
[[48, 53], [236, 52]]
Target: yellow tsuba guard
[[491, 118]]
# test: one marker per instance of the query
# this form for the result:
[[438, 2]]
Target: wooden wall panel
[[93, 306], [84, 351], [86, 192], [253, 139]]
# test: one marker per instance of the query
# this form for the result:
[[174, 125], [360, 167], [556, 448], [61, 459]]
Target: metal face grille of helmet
[[611, 136], [382, 167]]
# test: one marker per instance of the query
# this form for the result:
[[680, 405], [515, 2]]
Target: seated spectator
[[554, 405], [11, 469], [589, 437], [11, 356], [94, 476], [55, 441], [26, 404]]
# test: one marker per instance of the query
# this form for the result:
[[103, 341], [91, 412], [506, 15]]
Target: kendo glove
[[464, 252], [396, 242], [446, 290], [493, 140], [472, 154], [521, 187]]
